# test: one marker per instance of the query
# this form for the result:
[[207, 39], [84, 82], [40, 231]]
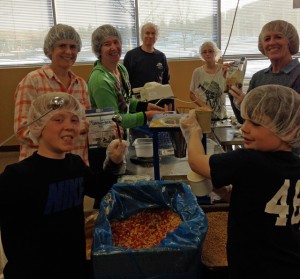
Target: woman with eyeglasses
[[208, 82]]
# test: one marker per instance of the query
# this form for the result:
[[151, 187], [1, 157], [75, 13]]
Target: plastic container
[[143, 147], [200, 185], [203, 116]]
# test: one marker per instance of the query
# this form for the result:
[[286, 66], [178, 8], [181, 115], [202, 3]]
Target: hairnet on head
[[100, 34], [149, 25], [276, 108], [60, 32], [287, 29], [212, 45], [43, 104]]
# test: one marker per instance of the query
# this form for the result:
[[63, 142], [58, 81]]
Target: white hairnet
[[277, 108], [211, 44], [287, 29], [60, 32], [100, 34], [43, 104]]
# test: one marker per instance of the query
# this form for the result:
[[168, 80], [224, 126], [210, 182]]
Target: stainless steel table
[[167, 165], [227, 138], [157, 175]]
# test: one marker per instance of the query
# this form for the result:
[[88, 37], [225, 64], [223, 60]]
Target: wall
[[180, 72]]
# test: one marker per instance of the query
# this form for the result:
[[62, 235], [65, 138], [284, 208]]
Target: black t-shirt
[[264, 222], [146, 67], [41, 216]]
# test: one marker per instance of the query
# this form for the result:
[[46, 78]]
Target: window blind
[[184, 25]]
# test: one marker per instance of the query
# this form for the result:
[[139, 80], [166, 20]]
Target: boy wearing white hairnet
[[264, 216], [41, 197]]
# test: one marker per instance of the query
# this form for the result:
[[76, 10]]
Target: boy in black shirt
[[41, 197]]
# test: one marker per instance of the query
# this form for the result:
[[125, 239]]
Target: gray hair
[[100, 34], [149, 25], [213, 45], [287, 29], [276, 108], [60, 32]]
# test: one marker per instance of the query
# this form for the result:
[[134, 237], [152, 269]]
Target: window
[[23, 25], [184, 25]]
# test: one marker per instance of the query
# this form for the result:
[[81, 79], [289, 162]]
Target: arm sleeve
[[166, 74], [127, 64], [24, 95], [141, 106], [97, 184], [105, 97]]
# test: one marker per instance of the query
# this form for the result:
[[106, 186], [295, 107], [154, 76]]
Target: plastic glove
[[238, 96], [151, 106], [151, 84], [188, 123], [115, 161]]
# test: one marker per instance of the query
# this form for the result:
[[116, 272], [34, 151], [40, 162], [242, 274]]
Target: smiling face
[[64, 54], [275, 46], [149, 37], [111, 51], [59, 135], [259, 138]]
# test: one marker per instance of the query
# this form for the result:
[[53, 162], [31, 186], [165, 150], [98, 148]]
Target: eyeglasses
[[207, 51]]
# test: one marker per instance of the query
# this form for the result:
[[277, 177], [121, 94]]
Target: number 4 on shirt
[[278, 204]]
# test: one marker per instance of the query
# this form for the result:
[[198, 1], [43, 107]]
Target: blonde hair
[[211, 44], [286, 29]]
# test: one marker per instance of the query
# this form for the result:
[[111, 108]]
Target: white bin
[[143, 147]]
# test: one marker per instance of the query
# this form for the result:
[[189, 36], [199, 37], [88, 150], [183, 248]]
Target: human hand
[[150, 113], [225, 67], [116, 151], [224, 192], [189, 124], [238, 95], [154, 107]]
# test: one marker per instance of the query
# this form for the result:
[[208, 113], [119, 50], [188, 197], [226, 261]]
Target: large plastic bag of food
[[178, 255]]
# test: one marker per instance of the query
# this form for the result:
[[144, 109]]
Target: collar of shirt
[[286, 69], [50, 74]]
